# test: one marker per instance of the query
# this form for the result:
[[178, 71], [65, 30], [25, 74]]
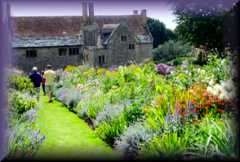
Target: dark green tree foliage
[[232, 26], [159, 32], [201, 27]]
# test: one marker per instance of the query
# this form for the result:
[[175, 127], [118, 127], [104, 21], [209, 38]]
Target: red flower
[[220, 110]]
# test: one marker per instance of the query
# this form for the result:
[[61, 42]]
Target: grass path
[[67, 136]]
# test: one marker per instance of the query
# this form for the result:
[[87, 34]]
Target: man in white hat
[[36, 80]]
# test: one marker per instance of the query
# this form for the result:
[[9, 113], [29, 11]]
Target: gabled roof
[[107, 32]]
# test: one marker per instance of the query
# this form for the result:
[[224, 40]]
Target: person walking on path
[[36, 80], [50, 76], [43, 83]]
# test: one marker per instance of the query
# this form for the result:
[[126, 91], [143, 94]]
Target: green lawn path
[[67, 136]]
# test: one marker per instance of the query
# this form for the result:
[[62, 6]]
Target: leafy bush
[[20, 102], [24, 141], [20, 83], [90, 106], [219, 68], [108, 83], [170, 50], [110, 130], [167, 145], [24, 138], [212, 138], [70, 68], [133, 112], [177, 61], [131, 139], [111, 111], [68, 96]]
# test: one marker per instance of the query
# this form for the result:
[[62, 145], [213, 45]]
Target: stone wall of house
[[102, 53], [45, 56], [119, 52], [88, 55], [143, 52], [91, 56]]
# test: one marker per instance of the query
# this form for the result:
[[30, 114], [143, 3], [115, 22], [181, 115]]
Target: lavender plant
[[24, 138]]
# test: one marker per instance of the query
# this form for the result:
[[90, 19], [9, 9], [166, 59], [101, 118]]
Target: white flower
[[215, 92], [198, 70], [202, 72], [211, 82], [209, 89]]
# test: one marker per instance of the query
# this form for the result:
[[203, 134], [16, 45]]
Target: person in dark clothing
[[43, 83], [36, 80]]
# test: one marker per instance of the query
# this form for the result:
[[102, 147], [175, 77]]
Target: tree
[[159, 32], [201, 27]]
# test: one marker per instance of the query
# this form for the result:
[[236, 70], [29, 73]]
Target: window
[[73, 51], [31, 53], [101, 60], [62, 51], [104, 46], [123, 38], [131, 46]]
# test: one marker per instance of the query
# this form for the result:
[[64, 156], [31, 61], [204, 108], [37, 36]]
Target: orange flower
[[220, 110]]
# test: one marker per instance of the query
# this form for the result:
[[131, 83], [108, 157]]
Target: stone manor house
[[74, 40]]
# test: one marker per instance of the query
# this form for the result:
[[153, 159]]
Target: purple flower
[[163, 69]]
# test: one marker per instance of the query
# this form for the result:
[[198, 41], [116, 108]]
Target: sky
[[155, 9]]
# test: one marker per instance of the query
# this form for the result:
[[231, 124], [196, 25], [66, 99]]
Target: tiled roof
[[71, 25], [67, 30], [46, 41]]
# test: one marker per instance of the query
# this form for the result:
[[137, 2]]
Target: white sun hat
[[34, 68]]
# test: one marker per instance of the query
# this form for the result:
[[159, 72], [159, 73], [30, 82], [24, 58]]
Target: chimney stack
[[91, 12], [84, 10], [144, 12], [135, 12]]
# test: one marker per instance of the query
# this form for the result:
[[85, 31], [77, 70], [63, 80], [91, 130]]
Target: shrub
[[91, 104], [109, 131], [129, 142], [109, 82], [177, 61], [212, 138], [70, 68], [219, 68], [111, 111], [20, 103], [133, 113], [69, 96], [170, 50], [167, 145], [24, 141], [20, 83]]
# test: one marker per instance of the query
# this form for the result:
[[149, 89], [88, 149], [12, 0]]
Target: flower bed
[[24, 138], [144, 114]]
